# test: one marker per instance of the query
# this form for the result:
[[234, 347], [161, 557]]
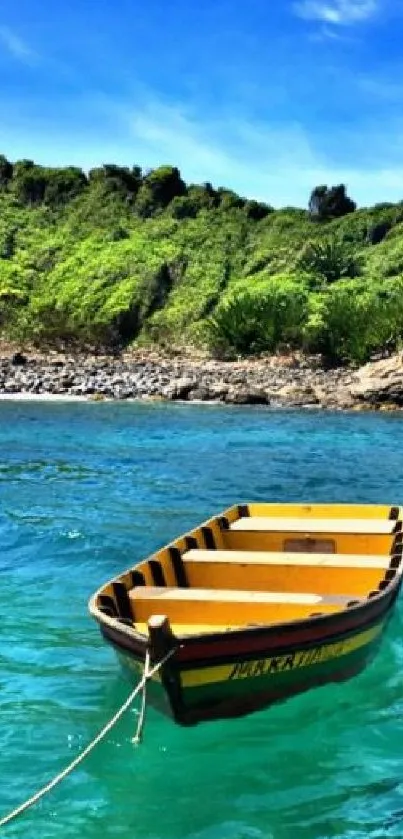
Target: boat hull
[[214, 680], [256, 605]]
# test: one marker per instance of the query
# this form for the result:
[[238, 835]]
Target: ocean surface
[[88, 489]]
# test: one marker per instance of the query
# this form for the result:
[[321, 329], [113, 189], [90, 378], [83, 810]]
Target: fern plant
[[329, 259]]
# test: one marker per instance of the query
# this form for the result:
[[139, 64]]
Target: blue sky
[[269, 97]]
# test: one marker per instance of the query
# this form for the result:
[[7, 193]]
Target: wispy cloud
[[280, 164], [165, 131], [16, 46], [336, 12]]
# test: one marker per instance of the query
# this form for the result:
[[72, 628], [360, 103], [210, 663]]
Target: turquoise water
[[86, 489]]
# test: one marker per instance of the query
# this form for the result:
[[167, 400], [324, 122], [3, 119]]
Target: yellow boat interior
[[261, 564]]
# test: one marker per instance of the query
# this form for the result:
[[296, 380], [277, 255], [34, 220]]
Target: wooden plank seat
[[327, 511], [229, 607], [284, 572], [286, 558], [304, 525]]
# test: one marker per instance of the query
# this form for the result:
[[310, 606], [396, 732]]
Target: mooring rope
[[142, 714], [141, 687]]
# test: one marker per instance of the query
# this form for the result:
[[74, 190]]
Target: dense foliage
[[117, 257]]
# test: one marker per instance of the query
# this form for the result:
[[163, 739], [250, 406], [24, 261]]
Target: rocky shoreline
[[273, 381]]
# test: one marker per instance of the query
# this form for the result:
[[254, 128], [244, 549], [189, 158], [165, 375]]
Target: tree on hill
[[29, 182], [33, 184], [118, 179], [159, 188], [229, 199], [63, 184], [328, 203], [256, 210], [6, 171]]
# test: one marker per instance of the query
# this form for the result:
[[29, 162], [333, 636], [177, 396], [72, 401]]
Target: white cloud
[[336, 12], [15, 45]]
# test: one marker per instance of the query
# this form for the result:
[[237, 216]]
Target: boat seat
[[222, 595], [286, 558], [218, 606], [285, 572], [366, 527]]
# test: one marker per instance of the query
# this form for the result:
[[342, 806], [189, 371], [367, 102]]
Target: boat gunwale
[[279, 649], [263, 629]]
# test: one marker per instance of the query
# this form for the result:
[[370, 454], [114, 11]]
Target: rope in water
[[142, 714], [141, 687]]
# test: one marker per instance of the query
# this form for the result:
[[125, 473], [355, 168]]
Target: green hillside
[[118, 257]]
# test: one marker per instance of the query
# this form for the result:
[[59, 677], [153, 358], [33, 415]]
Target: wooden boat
[[258, 604]]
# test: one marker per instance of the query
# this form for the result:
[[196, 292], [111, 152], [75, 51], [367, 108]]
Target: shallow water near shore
[[86, 490]]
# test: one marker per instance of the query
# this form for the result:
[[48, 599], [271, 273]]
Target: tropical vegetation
[[118, 257]]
